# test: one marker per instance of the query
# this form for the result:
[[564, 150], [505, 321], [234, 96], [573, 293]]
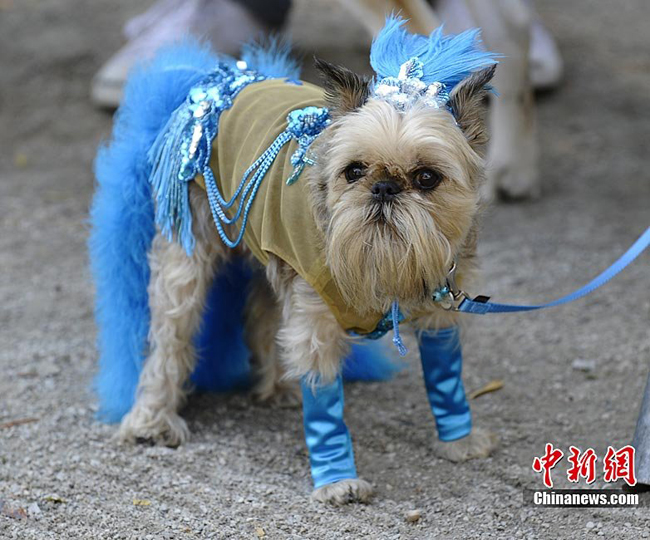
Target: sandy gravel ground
[[245, 472]]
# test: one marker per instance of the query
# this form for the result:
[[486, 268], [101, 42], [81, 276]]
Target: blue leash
[[481, 306]]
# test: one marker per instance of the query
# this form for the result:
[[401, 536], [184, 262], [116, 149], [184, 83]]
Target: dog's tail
[[122, 219], [122, 229], [271, 56]]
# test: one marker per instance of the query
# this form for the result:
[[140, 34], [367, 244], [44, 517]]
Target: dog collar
[[443, 295]]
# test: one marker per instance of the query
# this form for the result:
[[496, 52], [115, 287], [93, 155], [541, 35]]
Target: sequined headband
[[408, 88]]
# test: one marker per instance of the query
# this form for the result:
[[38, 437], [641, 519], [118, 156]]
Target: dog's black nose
[[385, 190]]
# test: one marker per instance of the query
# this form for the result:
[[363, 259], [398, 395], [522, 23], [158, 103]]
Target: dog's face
[[396, 192]]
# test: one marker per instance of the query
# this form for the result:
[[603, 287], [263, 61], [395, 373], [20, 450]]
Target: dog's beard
[[379, 253]]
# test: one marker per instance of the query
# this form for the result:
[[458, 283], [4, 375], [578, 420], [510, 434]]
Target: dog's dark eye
[[354, 171], [426, 178]]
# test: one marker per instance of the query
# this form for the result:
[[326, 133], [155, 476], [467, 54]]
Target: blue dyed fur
[[271, 57], [122, 220]]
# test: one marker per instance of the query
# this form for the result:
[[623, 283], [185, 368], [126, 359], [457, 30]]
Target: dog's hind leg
[[177, 291], [262, 322]]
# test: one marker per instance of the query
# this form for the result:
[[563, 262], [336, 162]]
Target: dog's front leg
[[442, 361], [262, 322], [330, 446], [313, 345]]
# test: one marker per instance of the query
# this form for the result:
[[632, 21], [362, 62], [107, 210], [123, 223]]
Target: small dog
[[387, 203]]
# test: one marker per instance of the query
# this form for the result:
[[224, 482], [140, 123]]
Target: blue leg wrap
[[328, 439], [442, 362]]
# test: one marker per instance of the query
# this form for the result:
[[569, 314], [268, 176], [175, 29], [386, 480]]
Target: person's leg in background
[[227, 24]]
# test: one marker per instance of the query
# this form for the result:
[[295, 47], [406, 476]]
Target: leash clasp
[[450, 297]]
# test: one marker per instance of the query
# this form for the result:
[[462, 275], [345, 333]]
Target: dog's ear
[[468, 102], [345, 91]]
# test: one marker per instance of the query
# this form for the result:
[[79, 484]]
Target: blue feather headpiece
[[411, 67]]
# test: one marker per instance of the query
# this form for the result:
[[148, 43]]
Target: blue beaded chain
[[390, 321], [183, 149], [303, 125]]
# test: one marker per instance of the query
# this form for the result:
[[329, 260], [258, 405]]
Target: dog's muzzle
[[385, 190]]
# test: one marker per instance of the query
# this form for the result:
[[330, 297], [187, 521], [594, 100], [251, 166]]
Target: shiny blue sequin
[[184, 146], [408, 88], [305, 125]]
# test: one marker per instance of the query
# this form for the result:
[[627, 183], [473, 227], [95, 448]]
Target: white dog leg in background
[[513, 151], [442, 362], [177, 291], [372, 13]]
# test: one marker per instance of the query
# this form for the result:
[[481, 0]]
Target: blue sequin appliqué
[[184, 146], [408, 88], [303, 125]]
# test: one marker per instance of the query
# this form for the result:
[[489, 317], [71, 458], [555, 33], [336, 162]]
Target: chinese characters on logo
[[617, 465], [549, 460], [582, 465]]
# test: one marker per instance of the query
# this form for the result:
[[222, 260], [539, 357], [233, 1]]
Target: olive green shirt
[[280, 220]]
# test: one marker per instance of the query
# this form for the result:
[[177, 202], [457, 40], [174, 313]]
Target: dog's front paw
[[282, 395], [480, 443], [163, 427], [343, 492]]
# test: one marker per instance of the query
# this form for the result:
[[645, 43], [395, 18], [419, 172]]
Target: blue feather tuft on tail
[[272, 58], [447, 59]]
